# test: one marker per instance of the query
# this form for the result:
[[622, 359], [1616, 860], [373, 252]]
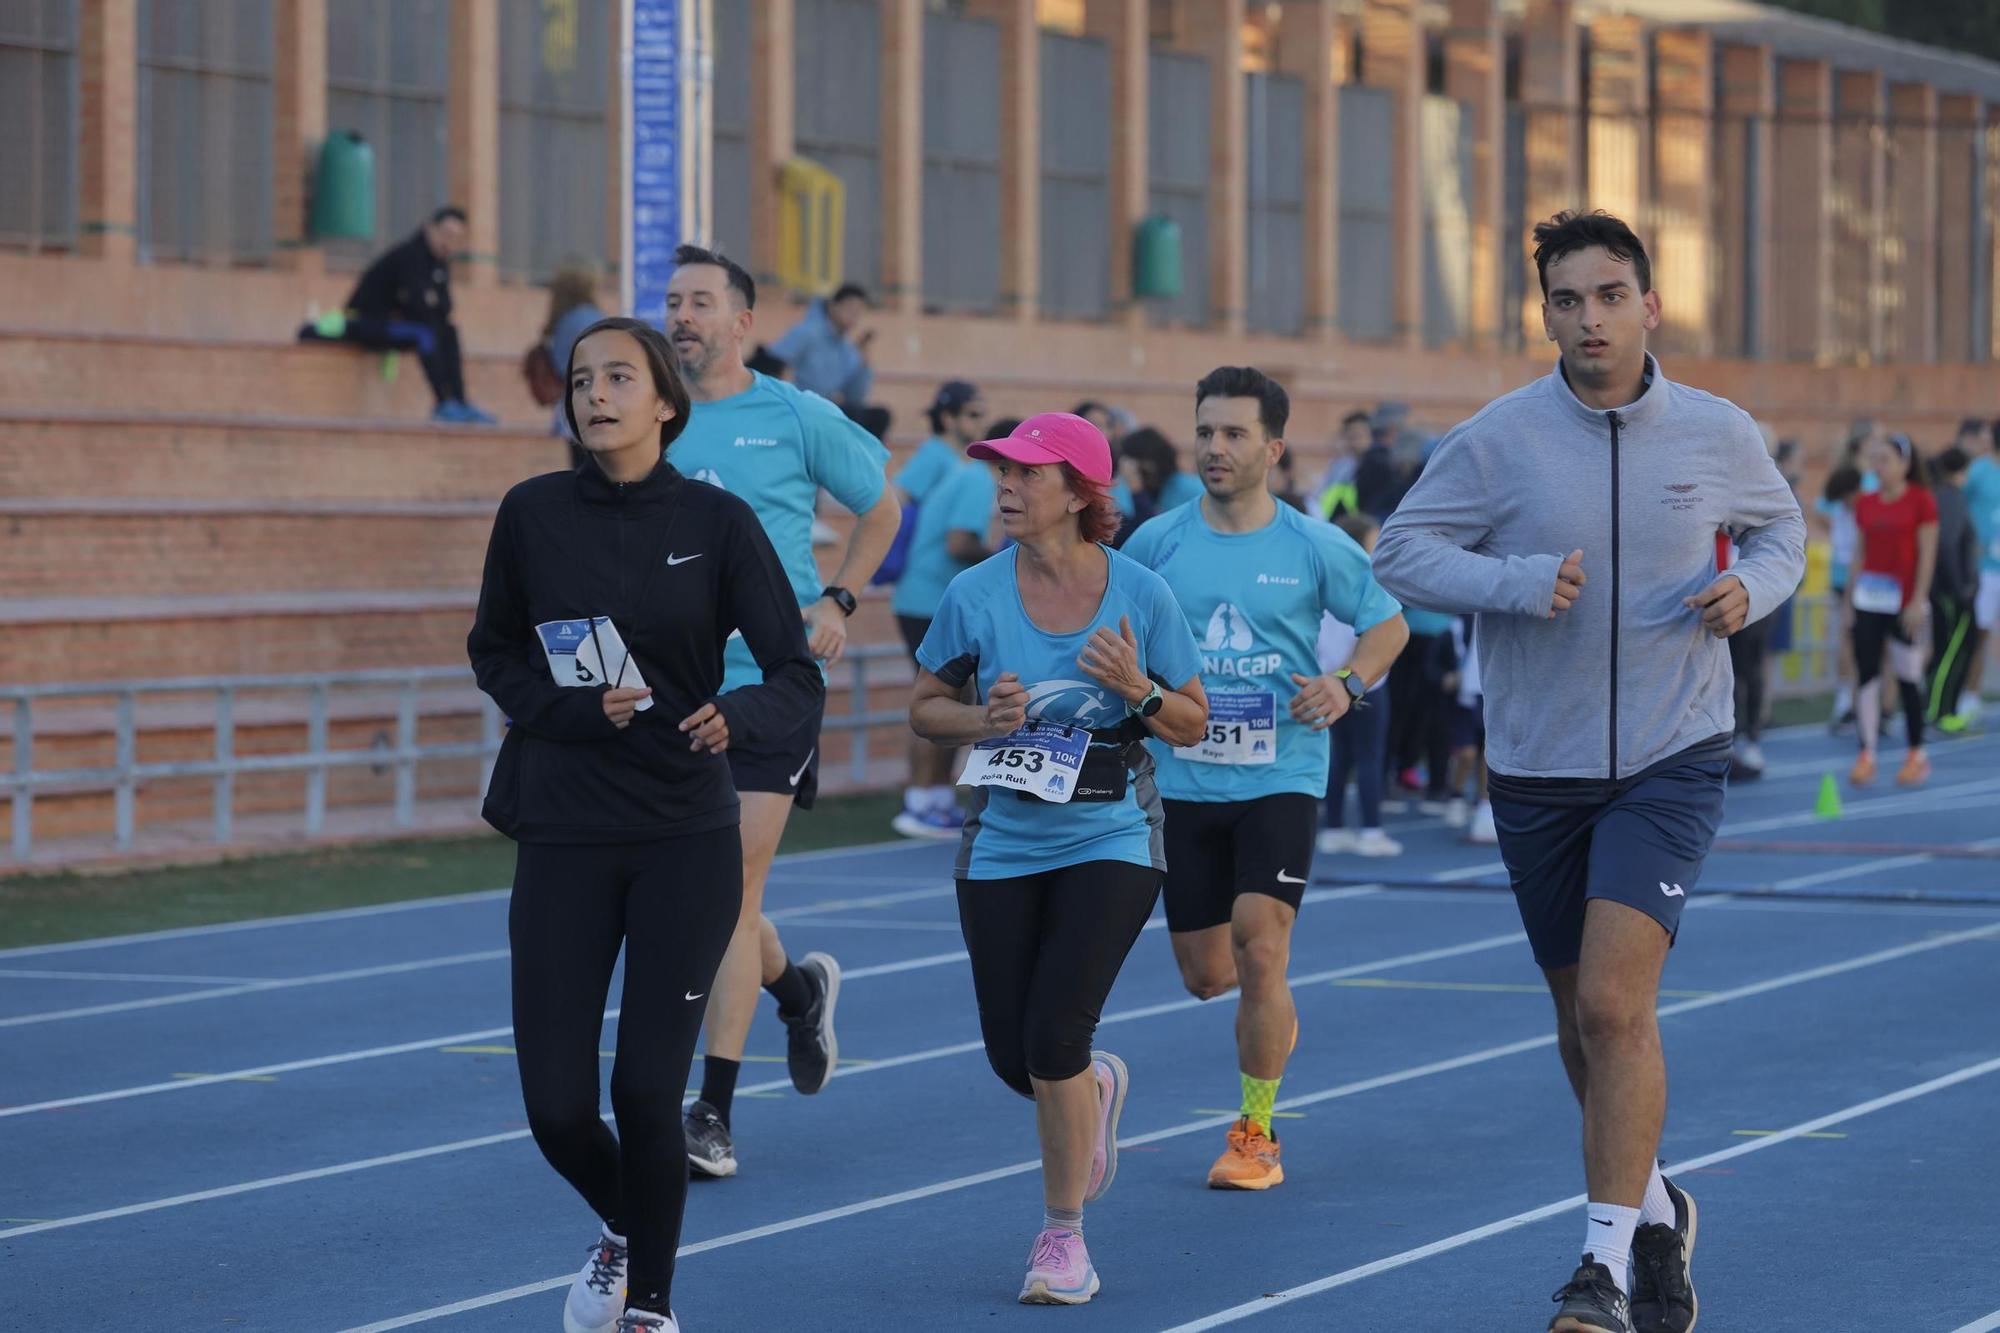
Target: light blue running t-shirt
[[930, 464], [1982, 497], [775, 446], [982, 616], [960, 501], [1253, 601]]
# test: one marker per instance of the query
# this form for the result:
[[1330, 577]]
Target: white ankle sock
[[915, 798], [1658, 1207], [1608, 1240], [1062, 1219], [942, 798]]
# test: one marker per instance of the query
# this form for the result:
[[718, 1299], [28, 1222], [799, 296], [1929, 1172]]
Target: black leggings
[[1749, 647], [1877, 636], [673, 904], [1045, 949]]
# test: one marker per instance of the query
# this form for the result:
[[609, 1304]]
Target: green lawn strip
[[50, 908]]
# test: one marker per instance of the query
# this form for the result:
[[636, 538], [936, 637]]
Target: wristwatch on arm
[[1151, 704], [842, 598], [1357, 689]]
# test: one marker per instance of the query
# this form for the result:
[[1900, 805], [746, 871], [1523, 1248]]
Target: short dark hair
[[1274, 405], [450, 212], [1356, 525], [1356, 415], [845, 290], [1971, 426], [1950, 462], [1569, 231], [667, 381], [739, 277], [1155, 454]]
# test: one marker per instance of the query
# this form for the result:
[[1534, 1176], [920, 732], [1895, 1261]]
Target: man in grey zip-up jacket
[[1578, 517]]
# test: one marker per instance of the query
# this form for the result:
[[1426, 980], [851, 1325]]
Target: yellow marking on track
[[234, 1078], [1767, 1133], [1226, 1110]]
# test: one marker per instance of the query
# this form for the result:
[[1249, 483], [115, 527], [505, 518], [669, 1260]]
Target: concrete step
[[196, 456]]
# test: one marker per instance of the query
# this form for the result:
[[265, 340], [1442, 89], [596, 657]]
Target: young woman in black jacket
[[608, 594]]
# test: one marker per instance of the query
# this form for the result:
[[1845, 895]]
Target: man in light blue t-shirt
[[1254, 578], [954, 518], [776, 447]]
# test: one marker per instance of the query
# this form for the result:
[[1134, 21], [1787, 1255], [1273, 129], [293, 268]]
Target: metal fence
[[125, 775]]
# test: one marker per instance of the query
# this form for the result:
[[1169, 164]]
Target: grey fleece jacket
[[1627, 677]]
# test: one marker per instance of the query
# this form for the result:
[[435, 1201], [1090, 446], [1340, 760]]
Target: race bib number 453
[[1041, 759]]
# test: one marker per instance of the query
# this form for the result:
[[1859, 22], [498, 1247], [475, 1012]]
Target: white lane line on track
[[1276, 1299], [1986, 1325], [38, 974], [1213, 1122]]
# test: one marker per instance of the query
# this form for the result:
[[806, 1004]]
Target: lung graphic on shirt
[[1229, 630], [1080, 701], [709, 475]]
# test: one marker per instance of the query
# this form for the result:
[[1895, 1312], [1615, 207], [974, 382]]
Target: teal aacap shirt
[[776, 446], [1253, 601]]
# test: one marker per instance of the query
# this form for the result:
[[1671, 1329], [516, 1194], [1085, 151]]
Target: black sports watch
[[1357, 689], [842, 598], [1152, 703]]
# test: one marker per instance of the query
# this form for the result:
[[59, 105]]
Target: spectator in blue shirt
[[828, 354]]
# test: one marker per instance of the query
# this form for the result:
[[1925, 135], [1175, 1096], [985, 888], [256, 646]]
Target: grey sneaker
[[1663, 1299], [711, 1152], [811, 1050], [1591, 1302]]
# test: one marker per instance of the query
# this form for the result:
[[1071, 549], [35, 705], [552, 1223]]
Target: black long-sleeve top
[[406, 281], [677, 565]]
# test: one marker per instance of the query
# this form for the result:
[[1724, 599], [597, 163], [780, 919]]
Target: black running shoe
[[711, 1152], [1591, 1303], [811, 1050], [1663, 1299]]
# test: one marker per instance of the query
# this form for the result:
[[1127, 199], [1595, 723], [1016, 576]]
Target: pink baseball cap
[[1052, 437]]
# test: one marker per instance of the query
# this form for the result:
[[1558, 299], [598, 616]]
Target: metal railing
[[1808, 668], [125, 774]]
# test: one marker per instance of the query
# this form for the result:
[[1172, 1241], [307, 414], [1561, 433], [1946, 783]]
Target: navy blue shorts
[[1644, 847]]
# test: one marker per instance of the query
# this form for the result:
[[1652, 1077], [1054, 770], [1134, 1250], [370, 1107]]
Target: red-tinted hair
[[1100, 519]]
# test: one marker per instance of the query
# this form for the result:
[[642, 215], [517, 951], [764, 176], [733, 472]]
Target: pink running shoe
[[1112, 1079], [1059, 1271]]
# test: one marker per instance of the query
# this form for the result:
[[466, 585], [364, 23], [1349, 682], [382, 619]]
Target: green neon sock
[[1260, 1097]]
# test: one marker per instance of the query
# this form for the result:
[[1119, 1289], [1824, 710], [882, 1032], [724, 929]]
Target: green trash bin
[[344, 189], [1156, 258]]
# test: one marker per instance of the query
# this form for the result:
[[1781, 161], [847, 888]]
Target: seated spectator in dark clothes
[[828, 354], [403, 303]]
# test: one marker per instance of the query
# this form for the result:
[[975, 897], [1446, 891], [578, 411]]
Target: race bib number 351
[[1041, 759], [1242, 729]]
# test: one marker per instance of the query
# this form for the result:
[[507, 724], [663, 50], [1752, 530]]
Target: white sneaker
[[1374, 842], [597, 1297], [1458, 814], [1430, 807], [1335, 841], [645, 1321], [1481, 830]]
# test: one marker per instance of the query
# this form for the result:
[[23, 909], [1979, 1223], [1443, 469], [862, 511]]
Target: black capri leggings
[[1045, 949], [673, 904]]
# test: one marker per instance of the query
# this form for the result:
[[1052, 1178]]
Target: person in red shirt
[[1889, 596]]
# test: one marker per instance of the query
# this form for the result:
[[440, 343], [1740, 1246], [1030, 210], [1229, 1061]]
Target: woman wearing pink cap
[[1075, 654]]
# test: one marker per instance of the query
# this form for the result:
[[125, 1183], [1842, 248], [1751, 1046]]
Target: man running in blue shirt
[[775, 446], [1242, 804]]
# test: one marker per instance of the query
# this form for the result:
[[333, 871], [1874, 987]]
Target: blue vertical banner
[[653, 148]]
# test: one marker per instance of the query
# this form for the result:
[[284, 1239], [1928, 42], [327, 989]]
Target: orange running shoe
[[1863, 771], [1249, 1163], [1916, 770]]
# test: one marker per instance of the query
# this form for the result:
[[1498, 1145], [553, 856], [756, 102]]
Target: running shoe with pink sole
[[1112, 1080]]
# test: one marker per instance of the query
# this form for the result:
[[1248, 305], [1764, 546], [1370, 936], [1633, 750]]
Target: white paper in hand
[[590, 652]]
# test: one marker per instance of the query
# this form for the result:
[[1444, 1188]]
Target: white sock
[[914, 797], [1843, 700], [942, 798], [1608, 1240], [1658, 1208]]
